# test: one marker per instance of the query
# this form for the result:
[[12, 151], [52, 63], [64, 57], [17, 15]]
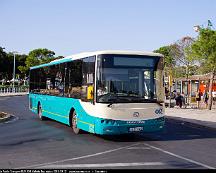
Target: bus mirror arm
[[110, 105]]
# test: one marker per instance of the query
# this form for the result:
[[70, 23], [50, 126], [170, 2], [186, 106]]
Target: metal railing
[[16, 89]]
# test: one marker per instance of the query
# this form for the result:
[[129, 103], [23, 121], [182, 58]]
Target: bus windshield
[[129, 79]]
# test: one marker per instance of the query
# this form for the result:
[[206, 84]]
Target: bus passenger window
[[88, 69], [73, 79]]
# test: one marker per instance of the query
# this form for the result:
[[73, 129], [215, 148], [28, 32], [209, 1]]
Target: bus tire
[[74, 123], [41, 117]]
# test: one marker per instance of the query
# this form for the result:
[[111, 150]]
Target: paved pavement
[[202, 117], [27, 142]]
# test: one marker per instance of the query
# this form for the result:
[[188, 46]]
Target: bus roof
[[87, 54]]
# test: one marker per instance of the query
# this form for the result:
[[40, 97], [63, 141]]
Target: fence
[[16, 89]]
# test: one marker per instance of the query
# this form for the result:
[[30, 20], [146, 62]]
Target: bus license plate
[[136, 129]]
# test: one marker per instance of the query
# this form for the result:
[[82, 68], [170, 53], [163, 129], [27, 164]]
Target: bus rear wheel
[[74, 123]]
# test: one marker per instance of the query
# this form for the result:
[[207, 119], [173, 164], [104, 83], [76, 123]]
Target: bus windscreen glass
[[129, 79]]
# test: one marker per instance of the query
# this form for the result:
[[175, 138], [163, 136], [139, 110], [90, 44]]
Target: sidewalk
[[13, 94], [201, 117]]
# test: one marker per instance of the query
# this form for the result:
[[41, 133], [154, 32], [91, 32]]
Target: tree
[[36, 57], [204, 50], [182, 59], [20, 61], [179, 71], [3, 67], [179, 53], [169, 61], [181, 56]]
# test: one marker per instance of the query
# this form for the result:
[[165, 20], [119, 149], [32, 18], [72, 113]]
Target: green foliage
[[177, 62], [181, 71], [20, 61], [3, 59], [7, 62], [178, 51], [166, 51], [37, 57], [204, 50], [23, 62], [168, 58]]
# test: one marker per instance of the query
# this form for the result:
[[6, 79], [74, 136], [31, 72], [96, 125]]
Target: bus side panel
[[33, 103], [85, 121], [58, 108]]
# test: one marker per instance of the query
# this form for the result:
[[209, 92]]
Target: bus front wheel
[[74, 123]]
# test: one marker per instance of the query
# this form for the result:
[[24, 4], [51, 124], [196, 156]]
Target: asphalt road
[[27, 142]]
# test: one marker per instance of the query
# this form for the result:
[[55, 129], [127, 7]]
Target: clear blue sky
[[73, 26]]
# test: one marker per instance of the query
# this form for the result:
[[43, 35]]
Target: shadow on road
[[173, 130]]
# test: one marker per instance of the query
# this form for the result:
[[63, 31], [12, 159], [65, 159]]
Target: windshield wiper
[[110, 104], [111, 101]]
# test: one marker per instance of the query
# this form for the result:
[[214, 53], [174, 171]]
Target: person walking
[[179, 100], [183, 99], [205, 98], [198, 98]]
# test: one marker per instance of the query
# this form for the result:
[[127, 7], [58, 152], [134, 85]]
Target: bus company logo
[[136, 114], [159, 111]]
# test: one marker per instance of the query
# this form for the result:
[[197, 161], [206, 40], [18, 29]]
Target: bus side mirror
[[90, 92]]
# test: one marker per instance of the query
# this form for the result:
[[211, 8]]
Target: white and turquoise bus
[[102, 92]]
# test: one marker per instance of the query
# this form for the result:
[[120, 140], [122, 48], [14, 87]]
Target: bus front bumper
[[117, 127]]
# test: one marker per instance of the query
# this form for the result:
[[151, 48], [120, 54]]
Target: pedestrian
[[198, 98], [183, 99], [166, 93], [174, 94], [178, 100], [205, 98]]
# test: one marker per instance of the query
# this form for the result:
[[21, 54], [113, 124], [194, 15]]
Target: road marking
[[139, 148], [181, 157], [77, 158], [101, 165]]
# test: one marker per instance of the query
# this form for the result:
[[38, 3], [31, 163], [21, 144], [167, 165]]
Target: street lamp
[[14, 53], [196, 28]]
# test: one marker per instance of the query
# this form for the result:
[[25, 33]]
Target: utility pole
[[170, 87], [14, 68], [187, 98]]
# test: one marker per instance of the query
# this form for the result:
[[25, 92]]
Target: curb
[[11, 95], [192, 124]]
